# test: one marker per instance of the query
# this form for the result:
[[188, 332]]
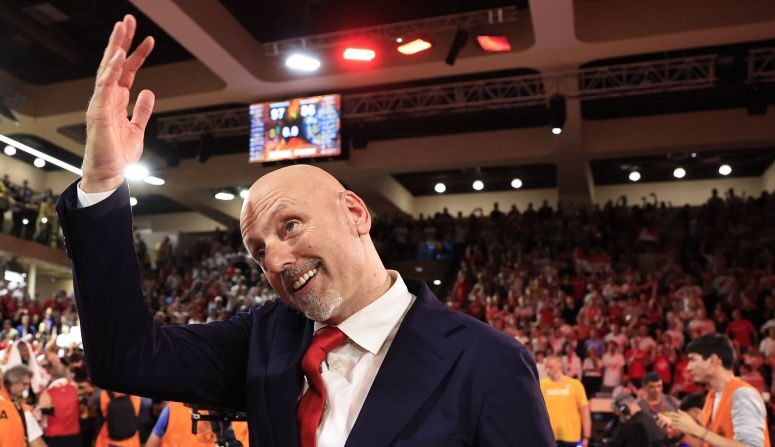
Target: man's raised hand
[[114, 141]]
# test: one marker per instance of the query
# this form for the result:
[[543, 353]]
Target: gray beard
[[319, 307]]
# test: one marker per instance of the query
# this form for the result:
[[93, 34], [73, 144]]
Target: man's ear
[[357, 212]]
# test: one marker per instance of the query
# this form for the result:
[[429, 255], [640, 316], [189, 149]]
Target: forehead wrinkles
[[268, 205]]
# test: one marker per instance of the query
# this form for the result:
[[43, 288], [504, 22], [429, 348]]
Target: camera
[[48, 411], [220, 420]]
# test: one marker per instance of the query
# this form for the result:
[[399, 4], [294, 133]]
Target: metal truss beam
[[660, 76], [393, 30], [761, 65]]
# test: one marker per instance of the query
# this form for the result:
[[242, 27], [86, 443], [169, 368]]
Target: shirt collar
[[371, 326]]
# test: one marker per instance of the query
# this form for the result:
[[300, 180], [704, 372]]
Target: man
[[654, 400], [18, 426], [401, 366], [567, 405], [734, 414], [636, 428]]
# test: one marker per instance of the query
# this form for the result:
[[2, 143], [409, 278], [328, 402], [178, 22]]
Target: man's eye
[[290, 226], [260, 254]]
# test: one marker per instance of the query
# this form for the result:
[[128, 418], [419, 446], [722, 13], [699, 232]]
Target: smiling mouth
[[304, 279]]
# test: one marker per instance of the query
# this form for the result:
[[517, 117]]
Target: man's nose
[[278, 257]]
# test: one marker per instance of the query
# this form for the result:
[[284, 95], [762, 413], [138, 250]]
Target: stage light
[[414, 47], [244, 193], [478, 185], [135, 172], [302, 62], [634, 176], [436, 282], [440, 188], [39, 162], [132, 201], [493, 43], [725, 169], [516, 183], [679, 173], [460, 41], [557, 113], [44, 220], [10, 151], [399, 40], [155, 181], [359, 54], [224, 195], [34, 152], [25, 221], [694, 154]]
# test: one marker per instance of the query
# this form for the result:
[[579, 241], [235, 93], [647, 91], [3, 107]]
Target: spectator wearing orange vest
[[104, 439], [734, 414], [173, 429], [18, 426]]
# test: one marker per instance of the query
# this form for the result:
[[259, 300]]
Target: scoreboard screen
[[296, 128]]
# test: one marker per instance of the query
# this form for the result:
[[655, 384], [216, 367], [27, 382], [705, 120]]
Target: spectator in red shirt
[[741, 331]]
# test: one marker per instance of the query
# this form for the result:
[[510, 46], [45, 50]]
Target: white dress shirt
[[350, 369]]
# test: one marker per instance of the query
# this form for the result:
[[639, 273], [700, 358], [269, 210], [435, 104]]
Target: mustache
[[290, 274]]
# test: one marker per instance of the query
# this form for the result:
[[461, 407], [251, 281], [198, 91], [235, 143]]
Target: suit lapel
[[418, 360], [284, 377]]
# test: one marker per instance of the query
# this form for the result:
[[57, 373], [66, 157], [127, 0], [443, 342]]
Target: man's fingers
[[113, 44], [112, 72], [143, 109], [130, 25], [135, 61]]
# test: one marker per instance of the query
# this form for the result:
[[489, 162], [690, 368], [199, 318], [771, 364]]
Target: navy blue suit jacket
[[448, 380]]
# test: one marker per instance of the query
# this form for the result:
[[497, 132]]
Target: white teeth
[[303, 279]]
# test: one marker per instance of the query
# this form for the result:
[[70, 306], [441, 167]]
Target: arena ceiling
[[215, 55]]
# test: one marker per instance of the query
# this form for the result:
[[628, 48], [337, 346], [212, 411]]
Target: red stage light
[[414, 47], [494, 43], [359, 54]]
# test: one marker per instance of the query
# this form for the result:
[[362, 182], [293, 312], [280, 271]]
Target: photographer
[[173, 428], [636, 428]]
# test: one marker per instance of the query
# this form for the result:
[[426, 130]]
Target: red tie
[[310, 409]]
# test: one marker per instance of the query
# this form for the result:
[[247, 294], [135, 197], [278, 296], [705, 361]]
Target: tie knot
[[328, 338]]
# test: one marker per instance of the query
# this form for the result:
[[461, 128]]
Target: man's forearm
[[586, 422]]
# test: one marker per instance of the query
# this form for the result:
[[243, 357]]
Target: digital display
[[296, 128]]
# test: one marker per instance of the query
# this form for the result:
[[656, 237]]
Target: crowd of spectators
[[616, 291], [32, 214]]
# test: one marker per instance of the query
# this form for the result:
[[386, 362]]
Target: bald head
[[298, 223]]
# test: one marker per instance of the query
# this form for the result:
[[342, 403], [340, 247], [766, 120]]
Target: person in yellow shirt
[[566, 402]]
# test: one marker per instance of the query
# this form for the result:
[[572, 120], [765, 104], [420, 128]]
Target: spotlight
[[44, 220], [694, 154], [440, 188], [679, 173], [436, 282], [301, 62], [557, 113], [224, 195], [413, 47], [25, 221], [399, 40], [10, 151], [516, 183], [359, 54], [634, 176], [135, 172], [39, 162], [460, 40], [244, 194], [132, 201], [725, 169], [478, 185], [155, 181], [493, 43]]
